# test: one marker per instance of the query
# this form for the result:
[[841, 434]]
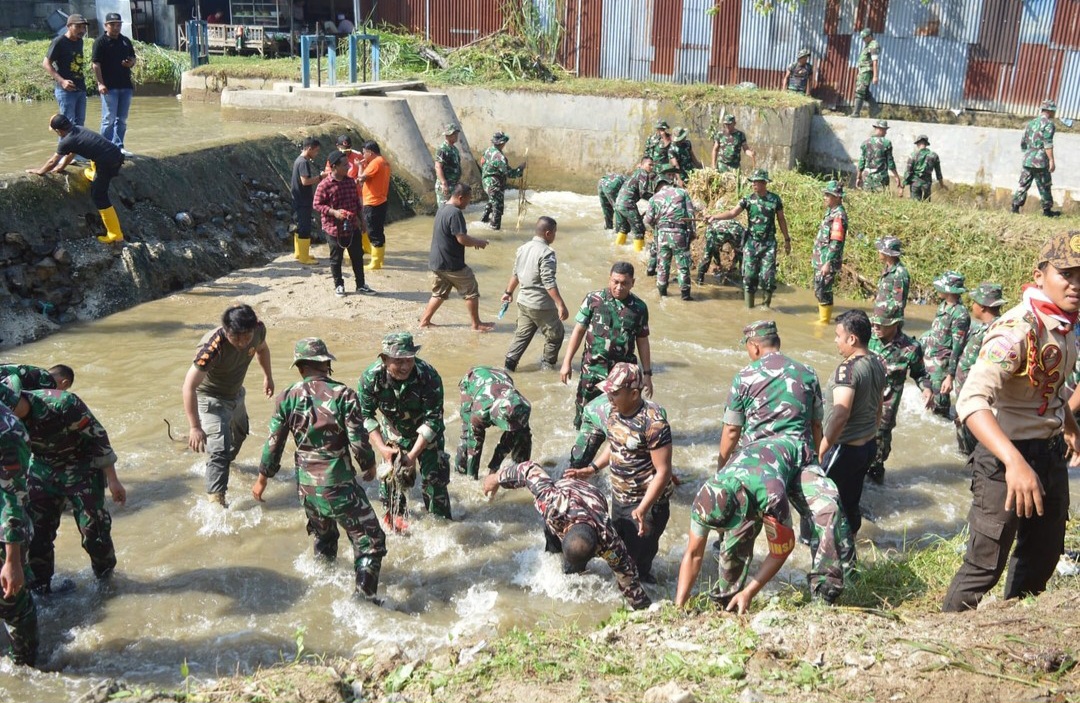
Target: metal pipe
[[577, 49], [427, 20]]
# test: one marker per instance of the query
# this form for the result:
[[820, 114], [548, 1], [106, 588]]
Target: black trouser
[[375, 223], [642, 549], [99, 187], [847, 465], [1040, 540], [302, 211], [337, 255]]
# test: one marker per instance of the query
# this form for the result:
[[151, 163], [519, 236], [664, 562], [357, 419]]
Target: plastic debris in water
[[1069, 564], [503, 309]]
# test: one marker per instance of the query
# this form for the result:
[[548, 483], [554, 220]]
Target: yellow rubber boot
[[376, 259], [303, 252], [90, 172], [639, 245], [296, 247], [824, 314], [112, 226], [365, 243], [620, 239]]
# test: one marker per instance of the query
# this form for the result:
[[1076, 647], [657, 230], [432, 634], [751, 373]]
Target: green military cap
[[889, 246], [662, 124], [953, 281], [1049, 105], [923, 138], [760, 328], [9, 396], [622, 375], [1063, 251], [499, 138], [681, 134], [450, 128], [886, 313], [399, 345], [834, 188], [865, 32], [311, 349], [881, 124], [803, 52], [760, 174], [729, 119], [989, 295]]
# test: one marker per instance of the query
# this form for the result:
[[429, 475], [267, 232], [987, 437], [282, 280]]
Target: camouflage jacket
[[610, 185], [944, 341], [684, 154], [612, 328], [800, 76], [1038, 137], [670, 210], [594, 416], [903, 357], [631, 440], [922, 167], [21, 377], [774, 396], [869, 54], [761, 215], [970, 353], [829, 242], [410, 407], [489, 397], [893, 285], [731, 148], [14, 461], [568, 502], [719, 231], [656, 150], [495, 169], [876, 156], [324, 418], [639, 186], [449, 158], [64, 434]]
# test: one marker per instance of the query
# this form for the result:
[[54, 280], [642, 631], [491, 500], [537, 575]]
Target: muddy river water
[[229, 590]]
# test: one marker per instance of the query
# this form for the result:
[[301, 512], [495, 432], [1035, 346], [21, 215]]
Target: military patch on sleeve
[[781, 537], [843, 375]]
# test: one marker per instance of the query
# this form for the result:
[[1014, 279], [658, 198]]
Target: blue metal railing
[[354, 57], [198, 38]]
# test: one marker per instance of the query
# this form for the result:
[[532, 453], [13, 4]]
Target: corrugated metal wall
[[1004, 55]]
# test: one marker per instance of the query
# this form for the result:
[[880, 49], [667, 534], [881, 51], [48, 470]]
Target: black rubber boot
[[662, 290], [1050, 213], [686, 294], [367, 578], [748, 297]]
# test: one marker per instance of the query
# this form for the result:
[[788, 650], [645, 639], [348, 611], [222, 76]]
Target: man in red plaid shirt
[[336, 200]]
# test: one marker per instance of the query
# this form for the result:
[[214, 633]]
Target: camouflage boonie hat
[[499, 138], [887, 312], [881, 124], [311, 349], [729, 119], [760, 328], [803, 52], [623, 375], [1049, 105], [716, 504], [865, 32], [834, 188], [760, 174], [922, 138], [450, 128], [1063, 251], [951, 282], [681, 134], [399, 345], [9, 396], [661, 124], [889, 246], [988, 295]]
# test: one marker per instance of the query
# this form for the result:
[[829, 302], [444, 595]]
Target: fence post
[[352, 58], [305, 60], [331, 62]]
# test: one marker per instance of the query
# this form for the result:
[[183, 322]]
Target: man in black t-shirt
[[107, 158], [305, 176], [447, 260], [113, 57], [64, 62]]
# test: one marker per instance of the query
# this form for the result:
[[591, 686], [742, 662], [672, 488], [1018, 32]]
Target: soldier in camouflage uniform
[[986, 302], [592, 433], [682, 150], [607, 190], [447, 165], [728, 147], [639, 186], [903, 357], [922, 166], [944, 341], [409, 393], [895, 281], [671, 217], [17, 608], [1038, 146], [828, 254], [658, 145], [876, 160], [494, 172], [323, 416], [576, 514], [611, 322], [866, 74], [758, 489], [22, 377], [800, 74], [489, 399], [72, 463], [717, 234], [764, 211]]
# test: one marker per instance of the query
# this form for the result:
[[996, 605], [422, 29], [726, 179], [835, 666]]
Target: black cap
[[344, 139], [113, 17], [335, 157]]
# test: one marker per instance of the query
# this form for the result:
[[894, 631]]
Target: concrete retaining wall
[[973, 155]]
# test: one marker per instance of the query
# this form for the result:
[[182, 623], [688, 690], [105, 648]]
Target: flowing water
[[230, 590]]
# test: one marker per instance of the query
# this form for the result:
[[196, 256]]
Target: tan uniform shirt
[[1020, 374]]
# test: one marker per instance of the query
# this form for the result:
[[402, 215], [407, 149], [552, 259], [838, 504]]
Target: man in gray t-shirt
[[540, 307], [852, 413]]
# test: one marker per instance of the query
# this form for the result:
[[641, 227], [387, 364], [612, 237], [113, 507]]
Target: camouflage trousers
[[1041, 177], [884, 435], [19, 615], [863, 81], [493, 211], [517, 445], [673, 244], [823, 286], [832, 548], [875, 181], [51, 489], [434, 470], [714, 244], [588, 442], [759, 264], [607, 203], [587, 390], [628, 220], [940, 403], [442, 196], [345, 504], [920, 190]]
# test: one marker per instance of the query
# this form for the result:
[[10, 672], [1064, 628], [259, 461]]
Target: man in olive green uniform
[[922, 166], [592, 433], [490, 399], [447, 165], [607, 190], [895, 281], [23, 377], [717, 234], [944, 341], [728, 146], [323, 416], [658, 145], [671, 217], [682, 150], [828, 252], [494, 172], [17, 609], [639, 186], [986, 302], [1038, 147], [866, 74], [876, 160]]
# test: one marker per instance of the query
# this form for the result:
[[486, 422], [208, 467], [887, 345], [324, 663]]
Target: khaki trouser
[[529, 320]]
